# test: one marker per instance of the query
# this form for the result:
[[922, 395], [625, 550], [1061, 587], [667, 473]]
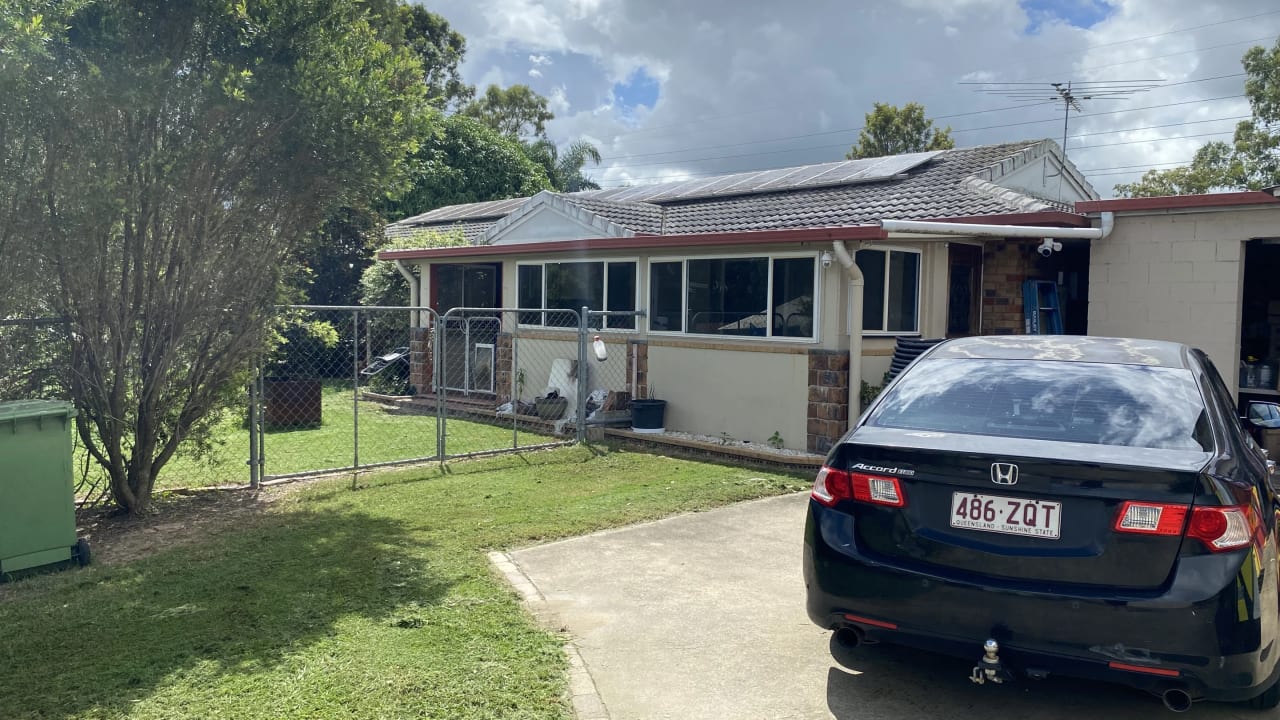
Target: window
[[751, 296], [572, 285], [891, 293], [1096, 403], [666, 296]]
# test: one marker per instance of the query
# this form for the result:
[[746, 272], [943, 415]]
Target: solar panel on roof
[[798, 176]]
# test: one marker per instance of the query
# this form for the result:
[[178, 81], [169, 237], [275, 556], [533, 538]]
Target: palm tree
[[565, 171]]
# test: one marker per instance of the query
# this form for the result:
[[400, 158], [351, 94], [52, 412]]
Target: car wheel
[[1269, 699]]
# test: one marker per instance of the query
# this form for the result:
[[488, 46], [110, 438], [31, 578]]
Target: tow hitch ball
[[989, 667]]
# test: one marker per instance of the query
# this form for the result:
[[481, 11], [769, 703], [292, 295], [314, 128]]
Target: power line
[[843, 131], [1155, 140], [1193, 27], [963, 130]]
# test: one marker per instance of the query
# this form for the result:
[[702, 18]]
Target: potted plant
[[648, 415]]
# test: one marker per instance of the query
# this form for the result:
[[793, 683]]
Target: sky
[[675, 89]]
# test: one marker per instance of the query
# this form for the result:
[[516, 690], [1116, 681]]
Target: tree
[[517, 111], [338, 252], [565, 171], [440, 49], [465, 162], [1249, 162], [184, 152], [890, 130]]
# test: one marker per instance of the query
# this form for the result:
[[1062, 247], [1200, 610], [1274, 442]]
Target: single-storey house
[[769, 297]]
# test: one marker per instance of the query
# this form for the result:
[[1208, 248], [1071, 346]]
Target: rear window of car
[[1101, 404]]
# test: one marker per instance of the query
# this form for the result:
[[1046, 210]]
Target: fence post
[[254, 477], [515, 371], [437, 380], [584, 326], [262, 419], [355, 394]]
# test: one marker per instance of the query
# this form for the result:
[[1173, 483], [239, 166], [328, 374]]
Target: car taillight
[[878, 490], [1151, 518], [1219, 528], [1223, 528], [832, 485]]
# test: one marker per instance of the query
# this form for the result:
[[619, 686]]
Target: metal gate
[[352, 388]]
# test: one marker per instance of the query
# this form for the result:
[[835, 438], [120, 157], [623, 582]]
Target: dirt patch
[[180, 518]]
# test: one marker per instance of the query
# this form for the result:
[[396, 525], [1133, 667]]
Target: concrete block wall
[[1177, 277]]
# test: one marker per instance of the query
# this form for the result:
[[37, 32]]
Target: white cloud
[[745, 86], [535, 73], [539, 60]]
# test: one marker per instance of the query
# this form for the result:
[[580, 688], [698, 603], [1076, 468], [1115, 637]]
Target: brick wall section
[[639, 369], [828, 398], [1005, 265], [502, 369], [420, 359]]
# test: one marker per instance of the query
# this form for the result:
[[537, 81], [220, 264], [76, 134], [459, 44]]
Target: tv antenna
[[1068, 94]]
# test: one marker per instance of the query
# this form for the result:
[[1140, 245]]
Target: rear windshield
[[1101, 404]]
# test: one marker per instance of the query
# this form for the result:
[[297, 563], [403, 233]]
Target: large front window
[[572, 285], [754, 296], [891, 294]]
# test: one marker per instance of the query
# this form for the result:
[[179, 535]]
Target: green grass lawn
[[333, 603], [384, 437]]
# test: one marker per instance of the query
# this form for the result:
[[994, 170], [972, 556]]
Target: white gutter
[[921, 227], [414, 291], [856, 286]]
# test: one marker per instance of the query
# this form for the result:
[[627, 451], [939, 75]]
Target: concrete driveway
[[702, 616]]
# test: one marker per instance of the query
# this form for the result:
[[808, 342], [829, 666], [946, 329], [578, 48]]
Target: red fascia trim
[[638, 242], [1043, 217], [1178, 202]]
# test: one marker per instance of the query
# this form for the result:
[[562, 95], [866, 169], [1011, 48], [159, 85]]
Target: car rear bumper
[[1216, 654]]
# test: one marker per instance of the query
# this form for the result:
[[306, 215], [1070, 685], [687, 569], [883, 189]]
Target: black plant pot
[[648, 416]]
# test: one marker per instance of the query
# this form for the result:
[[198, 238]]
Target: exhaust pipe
[[848, 637], [1176, 699]]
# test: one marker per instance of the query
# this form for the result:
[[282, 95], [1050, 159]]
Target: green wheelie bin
[[37, 496]]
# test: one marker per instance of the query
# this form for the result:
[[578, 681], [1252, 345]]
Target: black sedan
[[1052, 505]]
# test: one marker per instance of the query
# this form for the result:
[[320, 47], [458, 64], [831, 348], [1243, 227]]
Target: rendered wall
[[748, 395]]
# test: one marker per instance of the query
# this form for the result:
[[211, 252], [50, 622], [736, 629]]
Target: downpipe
[[857, 285]]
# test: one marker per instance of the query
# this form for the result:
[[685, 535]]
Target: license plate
[[1011, 516]]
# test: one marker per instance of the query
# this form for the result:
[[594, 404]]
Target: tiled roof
[[954, 183]]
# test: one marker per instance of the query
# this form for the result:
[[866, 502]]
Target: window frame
[[887, 249], [604, 321], [768, 336]]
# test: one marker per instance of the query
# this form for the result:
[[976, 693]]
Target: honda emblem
[[1004, 473]]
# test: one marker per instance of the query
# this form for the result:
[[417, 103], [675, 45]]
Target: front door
[[964, 291]]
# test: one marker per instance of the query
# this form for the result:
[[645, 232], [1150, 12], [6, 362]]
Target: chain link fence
[[354, 388]]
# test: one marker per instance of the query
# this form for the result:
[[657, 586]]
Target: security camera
[[826, 260], [1048, 247]]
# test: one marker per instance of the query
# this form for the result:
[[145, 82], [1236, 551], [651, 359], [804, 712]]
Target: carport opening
[[1260, 321]]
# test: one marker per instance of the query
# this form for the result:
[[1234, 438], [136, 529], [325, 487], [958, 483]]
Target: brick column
[[420, 360], [828, 398], [639, 369], [502, 369]]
